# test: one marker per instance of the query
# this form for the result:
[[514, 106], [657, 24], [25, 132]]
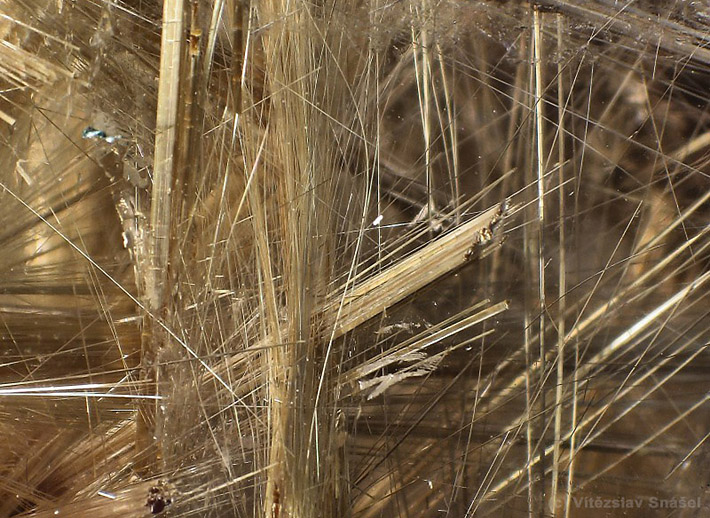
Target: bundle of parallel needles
[[354, 258]]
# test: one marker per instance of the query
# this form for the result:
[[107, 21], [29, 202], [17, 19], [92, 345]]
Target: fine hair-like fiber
[[299, 259]]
